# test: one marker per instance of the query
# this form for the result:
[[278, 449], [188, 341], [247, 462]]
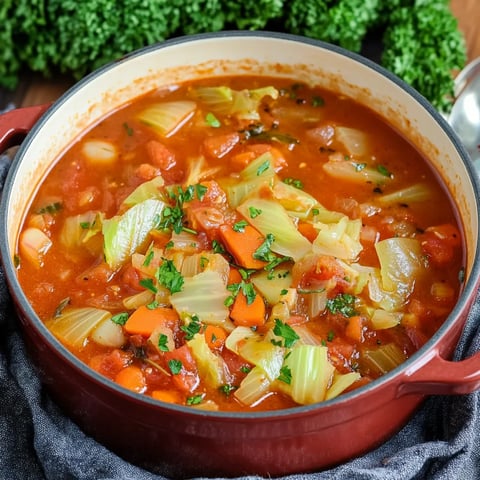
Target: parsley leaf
[[263, 252], [285, 375], [343, 303], [195, 399], [286, 332], [163, 343], [294, 182], [120, 318], [175, 366], [192, 327], [240, 226], [168, 276]]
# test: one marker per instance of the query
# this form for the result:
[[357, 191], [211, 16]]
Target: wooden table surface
[[467, 12]]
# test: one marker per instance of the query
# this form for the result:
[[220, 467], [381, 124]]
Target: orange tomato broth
[[300, 129]]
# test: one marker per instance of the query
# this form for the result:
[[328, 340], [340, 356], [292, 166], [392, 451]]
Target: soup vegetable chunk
[[241, 243]]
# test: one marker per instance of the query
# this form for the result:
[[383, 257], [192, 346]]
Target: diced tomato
[[236, 365], [109, 364], [147, 171], [159, 155], [187, 378], [219, 145], [438, 250]]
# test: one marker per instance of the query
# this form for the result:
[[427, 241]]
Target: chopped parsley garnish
[[195, 399], [192, 327], [263, 252], [200, 190], [212, 120], [217, 247], [330, 335], [85, 225], [148, 284], [203, 262], [246, 288], [294, 182], [128, 129], [227, 389], [318, 101], [285, 375], [343, 303], [286, 332], [254, 212], [168, 276], [51, 208], [120, 318], [284, 291], [148, 258], [175, 366], [263, 167], [384, 171], [163, 343], [240, 226], [245, 369]]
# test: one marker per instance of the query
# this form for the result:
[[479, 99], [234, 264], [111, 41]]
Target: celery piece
[[382, 319], [341, 383], [242, 104], [383, 359], [74, 325], [263, 354], [271, 284], [354, 172], [419, 192], [210, 366], [355, 142], [340, 239], [288, 241], [167, 117], [297, 202], [146, 190], [311, 371], [125, 234], [253, 387], [203, 295]]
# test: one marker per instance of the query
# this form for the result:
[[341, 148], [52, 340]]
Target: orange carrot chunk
[[243, 244], [144, 320], [132, 378], [248, 315], [215, 336], [354, 328], [168, 396]]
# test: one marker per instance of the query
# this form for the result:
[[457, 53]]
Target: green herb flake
[[120, 318], [245, 369], [283, 292], [359, 166], [254, 212], [318, 101], [128, 129], [175, 366], [217, 247], [263, 252], [212, 120], [343, 303], [148, 258], [192, 327], [148, 284], [203, 262], [285, 375], [200, 190], [85, 225], [293, 182], [51, 209], [286, 332], [227, 389], [195, 399], [384, 171], [240, 226], [263, 167], [168, 276], [330, 336], [163, 343]]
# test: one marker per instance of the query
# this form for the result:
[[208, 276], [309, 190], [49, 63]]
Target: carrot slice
[[144, 320], [215, 336], [168, 396], [132, 378], [308, 230], [242, 245], [246, 315]]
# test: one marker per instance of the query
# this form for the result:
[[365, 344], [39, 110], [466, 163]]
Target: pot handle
[[437, 376], [15, 124]]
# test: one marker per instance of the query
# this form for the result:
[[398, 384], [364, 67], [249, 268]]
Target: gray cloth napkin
[[441, 442]]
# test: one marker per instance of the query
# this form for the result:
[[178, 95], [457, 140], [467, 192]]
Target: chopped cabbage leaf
[[297, 202], [271, 284], [203, 295], [167, 117], [355, 172], [253, 387], [340, 239], [413, 194], [243, 104], [274, 219], [341, 383], [355, 142], [126, 234], [263, 354], [146, 190]]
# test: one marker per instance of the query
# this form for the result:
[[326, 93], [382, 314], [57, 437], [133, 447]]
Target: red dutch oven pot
[[181, 442]]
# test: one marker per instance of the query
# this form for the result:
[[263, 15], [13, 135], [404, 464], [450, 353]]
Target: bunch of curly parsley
[[421, 40]]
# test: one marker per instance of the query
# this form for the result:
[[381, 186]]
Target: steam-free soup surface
[[241, 244]]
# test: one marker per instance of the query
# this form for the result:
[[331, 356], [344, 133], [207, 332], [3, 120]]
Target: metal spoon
[[465, 115]]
